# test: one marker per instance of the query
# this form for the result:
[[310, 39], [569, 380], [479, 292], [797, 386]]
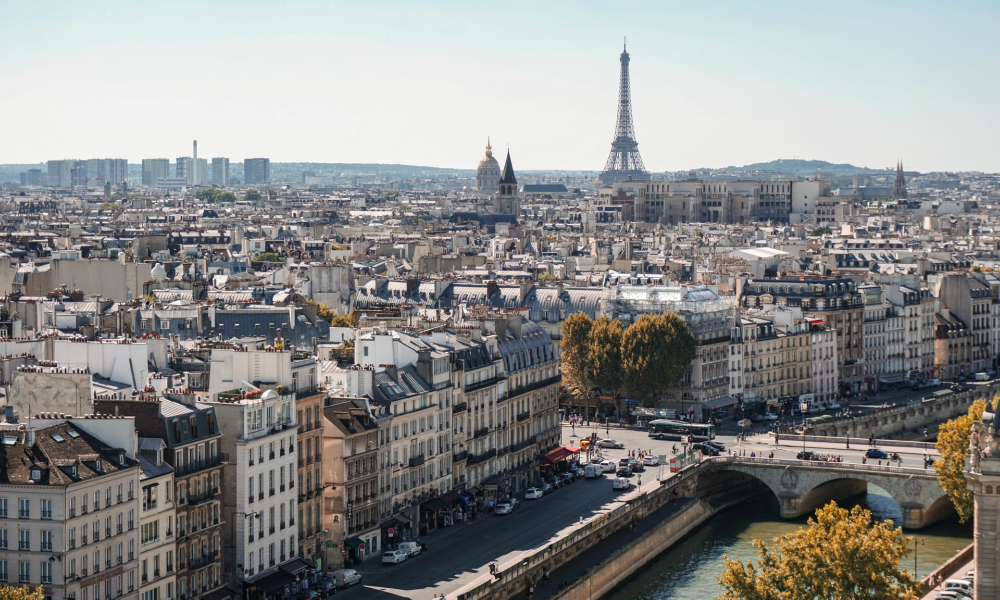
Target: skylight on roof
[[9, 440], [58, 437], [72, 433]]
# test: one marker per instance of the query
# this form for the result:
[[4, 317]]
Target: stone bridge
[[803, 486]]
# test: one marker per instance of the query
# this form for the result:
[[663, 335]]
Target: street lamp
[[916, 546], [803, 407]]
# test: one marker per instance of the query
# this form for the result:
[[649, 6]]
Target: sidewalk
[[579, 565]]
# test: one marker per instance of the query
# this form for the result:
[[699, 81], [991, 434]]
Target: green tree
[[109, 206], [21, 592], [574, 346], [656, 352], [267, 257], [953, 446], [822, 231], [252, 196], [839, 555], [604, 358]]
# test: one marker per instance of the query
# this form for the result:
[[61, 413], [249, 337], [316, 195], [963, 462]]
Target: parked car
[[578, 472], [345, 577], [547, 488], [952, 595], [876, 453], [568, 477], [533, 494], [623, 472], [327, 588], [620, 483], [833, 406], [609, 443], [308, 595], [503, 509], [650, 461], [607, 466], [593, 471], [393, 557], [514, 504], [982, 376]]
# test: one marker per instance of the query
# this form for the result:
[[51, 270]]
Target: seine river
[[689, 570]]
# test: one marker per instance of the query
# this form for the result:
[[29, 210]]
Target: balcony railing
[[201, 465], [206, 496], [478, 458], [203, 561], [522, 417], [523, 444], [459, 407], [457, 456], [416, 461], [478, 385], [530, 387], [481, 432]]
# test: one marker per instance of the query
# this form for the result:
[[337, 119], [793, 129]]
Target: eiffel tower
[[624, 160]]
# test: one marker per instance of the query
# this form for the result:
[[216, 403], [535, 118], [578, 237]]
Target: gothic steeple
[[899, 187]]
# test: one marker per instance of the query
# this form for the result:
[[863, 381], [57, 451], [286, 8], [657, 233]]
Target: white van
[[959, 585], [411, 548], [593, 471], [982, 377]]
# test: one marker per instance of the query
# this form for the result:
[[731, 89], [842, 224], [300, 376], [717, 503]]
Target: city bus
[[665, 429]]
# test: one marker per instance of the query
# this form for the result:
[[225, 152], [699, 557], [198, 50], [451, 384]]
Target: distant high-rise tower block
[[220, 171], [488, 174], [154, 169], [624, 161], [185, 169], [899, 188], [256, 171]]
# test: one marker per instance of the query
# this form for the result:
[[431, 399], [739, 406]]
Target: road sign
[[390, 531], [361, 546]]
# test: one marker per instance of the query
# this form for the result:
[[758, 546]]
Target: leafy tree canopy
[[656, 351], [268, 257], [252, 196], [575, 333], [109, 206], [839, 555], [21, 592], [604, 356], [953, 445], [822, 231], [330, 316], [214, 195]]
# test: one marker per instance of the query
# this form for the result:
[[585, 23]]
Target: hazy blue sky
[[713, 83]]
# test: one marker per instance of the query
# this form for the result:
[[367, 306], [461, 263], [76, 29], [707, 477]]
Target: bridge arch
[[802, 487]]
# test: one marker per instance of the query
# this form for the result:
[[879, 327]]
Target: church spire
[[489, 148]]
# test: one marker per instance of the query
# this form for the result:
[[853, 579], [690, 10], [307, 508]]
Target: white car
[[833, 406], [770, 417], [533, 494], [608, 466], [621, 483], [503, 509], [393, 557], [650, 461]]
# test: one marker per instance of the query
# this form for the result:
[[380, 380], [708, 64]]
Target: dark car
[[805, 455], [636, 466], [710, 451], [876, 453], [958, 387], [547, 489], [623, 472], [717, 445]]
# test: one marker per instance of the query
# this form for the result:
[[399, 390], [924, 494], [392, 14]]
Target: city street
[[460, 554]]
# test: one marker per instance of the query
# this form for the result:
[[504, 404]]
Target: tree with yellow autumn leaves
[[21, 592], [840, 554]]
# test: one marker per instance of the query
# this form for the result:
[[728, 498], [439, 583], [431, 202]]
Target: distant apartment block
[[256, 171], [32, 177], [184, 169], [220, 171], [105, 170], [153, 169]]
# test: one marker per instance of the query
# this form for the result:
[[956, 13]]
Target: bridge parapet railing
[[818, 464]]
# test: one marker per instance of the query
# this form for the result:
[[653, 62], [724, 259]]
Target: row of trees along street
[[645, 359]]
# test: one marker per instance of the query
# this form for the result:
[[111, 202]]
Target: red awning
[[573, 449], [555, 455]]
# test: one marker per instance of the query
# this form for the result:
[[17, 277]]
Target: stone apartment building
[[776, 359], [351, 480], [835, 301], [69, 508], [157, 522], [309, 416], [193, 448], [971, 301], [953, 346]]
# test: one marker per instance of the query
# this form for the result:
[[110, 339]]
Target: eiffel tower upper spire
[[624, 160]]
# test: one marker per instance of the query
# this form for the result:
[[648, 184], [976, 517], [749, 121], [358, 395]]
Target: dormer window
[[99, 465], [36, 474], [121, 458]]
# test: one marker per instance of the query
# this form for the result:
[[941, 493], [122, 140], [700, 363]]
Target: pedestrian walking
[[864, 460], [545, 576]]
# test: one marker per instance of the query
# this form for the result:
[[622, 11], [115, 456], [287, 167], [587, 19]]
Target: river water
[[689, 570]]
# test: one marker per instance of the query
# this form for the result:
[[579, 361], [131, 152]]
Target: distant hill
[[798, 167]]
